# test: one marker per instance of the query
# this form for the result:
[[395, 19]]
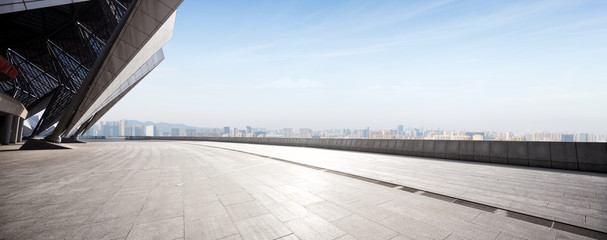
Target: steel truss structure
[[61, 51]]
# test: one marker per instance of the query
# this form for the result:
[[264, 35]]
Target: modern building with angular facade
[[75, 60]]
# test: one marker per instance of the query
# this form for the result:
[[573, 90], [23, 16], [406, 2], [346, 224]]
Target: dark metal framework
[[53, 49], [143, 71]]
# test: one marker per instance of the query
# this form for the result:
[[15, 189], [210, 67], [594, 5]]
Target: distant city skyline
[[507, 66], [147, 128]]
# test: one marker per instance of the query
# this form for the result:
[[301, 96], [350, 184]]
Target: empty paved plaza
[[211, 190]]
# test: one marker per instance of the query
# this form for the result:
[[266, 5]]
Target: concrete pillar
[[2, 130], [14, 128], [6, 129], [20, 130]]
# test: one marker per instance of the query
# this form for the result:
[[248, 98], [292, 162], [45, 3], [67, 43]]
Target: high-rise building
[[110, 129], [518, 138], [105, 131], [123, 128], [226, 130], [305, 133], [478, 137], [138, 130], [260, 134], [400, 130], [287, 132], [365, 133], [93, 131], [567, 138], [174, 132], [442, 137], [347, 132], [461, 137], [190, 132], [150, 130], [128, 131], [471, 134]]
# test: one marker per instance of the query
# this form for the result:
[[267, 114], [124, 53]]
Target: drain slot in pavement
[[474, 205]]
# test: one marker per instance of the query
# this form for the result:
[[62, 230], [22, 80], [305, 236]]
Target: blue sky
[[475, 65]]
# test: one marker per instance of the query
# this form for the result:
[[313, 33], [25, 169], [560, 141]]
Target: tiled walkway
[[181, 190], [572, 197]]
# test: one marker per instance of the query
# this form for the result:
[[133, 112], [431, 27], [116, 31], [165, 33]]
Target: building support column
[[14, 129], [6, 129], [20, 130]]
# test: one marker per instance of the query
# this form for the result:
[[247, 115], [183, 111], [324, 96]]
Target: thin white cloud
[[289, 83], [282, 83]]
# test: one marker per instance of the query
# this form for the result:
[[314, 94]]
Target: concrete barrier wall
[[482, 151], [591, 157], [498, 152]]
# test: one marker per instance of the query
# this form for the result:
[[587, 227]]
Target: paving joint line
[[462, 202]]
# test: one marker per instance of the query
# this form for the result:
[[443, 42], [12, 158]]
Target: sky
[[459, 65]]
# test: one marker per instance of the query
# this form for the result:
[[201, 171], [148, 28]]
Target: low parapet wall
[[590, 157]]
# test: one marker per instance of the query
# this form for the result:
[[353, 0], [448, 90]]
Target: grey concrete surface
[[184, 190], [571, 197], [39, 144]]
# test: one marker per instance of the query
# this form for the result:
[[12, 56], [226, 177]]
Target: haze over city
[[129, 128], [474, 65], [358, 119]]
